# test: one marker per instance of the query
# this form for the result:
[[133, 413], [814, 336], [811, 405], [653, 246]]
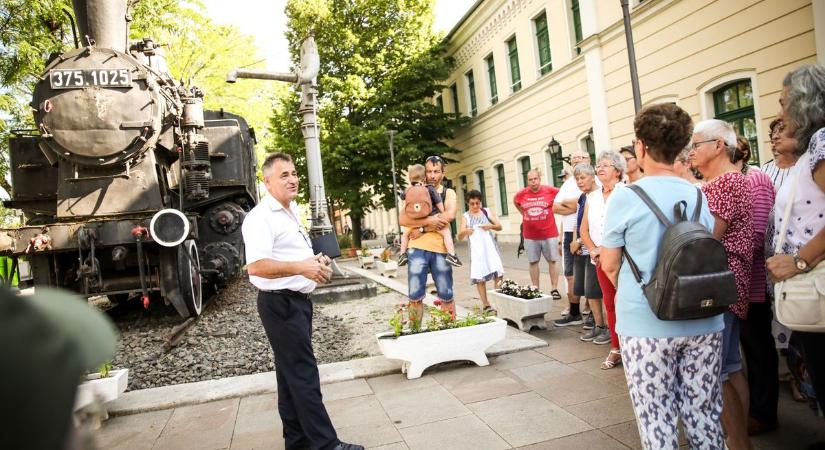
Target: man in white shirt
[[566, 205], [282, 266]]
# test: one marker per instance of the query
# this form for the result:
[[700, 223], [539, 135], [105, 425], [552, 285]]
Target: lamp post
[[392, 133], [631, 56]]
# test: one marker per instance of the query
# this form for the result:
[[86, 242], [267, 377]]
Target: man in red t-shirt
[[541, 237]]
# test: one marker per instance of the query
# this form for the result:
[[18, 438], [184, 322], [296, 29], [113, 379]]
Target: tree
[[380, 63]]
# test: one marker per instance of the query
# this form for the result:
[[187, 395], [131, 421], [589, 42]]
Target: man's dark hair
[[665, 129], [435, 159], [474, 194], [272, 157]]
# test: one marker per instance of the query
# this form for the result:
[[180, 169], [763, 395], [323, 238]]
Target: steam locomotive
[[128, 186]]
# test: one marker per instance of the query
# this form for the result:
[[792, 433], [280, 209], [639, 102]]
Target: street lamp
[[392, 133], [631, 56], [555, 150]]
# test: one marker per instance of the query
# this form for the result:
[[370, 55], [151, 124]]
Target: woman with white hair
[[610, 168], [729, 200], [803, 193]]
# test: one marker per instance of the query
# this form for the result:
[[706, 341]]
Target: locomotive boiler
[[128, 186]]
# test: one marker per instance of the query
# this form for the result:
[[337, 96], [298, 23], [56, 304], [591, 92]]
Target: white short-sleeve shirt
[[270, 231], [569, 190]]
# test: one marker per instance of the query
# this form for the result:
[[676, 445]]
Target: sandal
[[611, 363], [490, 310], [555, 294]]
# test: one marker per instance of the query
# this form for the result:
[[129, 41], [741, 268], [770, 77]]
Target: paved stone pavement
[[554, 397]]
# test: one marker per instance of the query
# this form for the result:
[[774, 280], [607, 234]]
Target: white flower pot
[[421, 350], [366, 261], [387, 269], [102, 389], [525, 313]]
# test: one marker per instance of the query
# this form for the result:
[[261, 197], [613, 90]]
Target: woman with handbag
[[797, 267]]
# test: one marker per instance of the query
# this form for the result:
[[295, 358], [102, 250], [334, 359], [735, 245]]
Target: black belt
[[288, 293]]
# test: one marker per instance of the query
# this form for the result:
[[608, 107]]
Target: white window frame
[[517, 165], [534, 38], [477, 181], [469, 100], [708, 111]]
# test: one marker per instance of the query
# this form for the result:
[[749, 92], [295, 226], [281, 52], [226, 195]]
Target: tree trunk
[[356, 230]]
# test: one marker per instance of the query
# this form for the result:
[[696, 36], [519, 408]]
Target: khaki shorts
[[547, 247]]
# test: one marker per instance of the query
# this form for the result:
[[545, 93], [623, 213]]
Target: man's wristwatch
[[421, 229], [800, 263]]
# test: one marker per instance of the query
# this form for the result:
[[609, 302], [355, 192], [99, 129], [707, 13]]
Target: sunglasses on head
[[435, 159]]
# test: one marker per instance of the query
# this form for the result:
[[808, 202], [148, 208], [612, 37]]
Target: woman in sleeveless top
[[485, 262]]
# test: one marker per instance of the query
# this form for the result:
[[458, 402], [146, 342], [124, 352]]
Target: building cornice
[[483, 34]]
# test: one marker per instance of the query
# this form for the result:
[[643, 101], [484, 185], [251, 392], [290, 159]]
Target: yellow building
[[530, 71]]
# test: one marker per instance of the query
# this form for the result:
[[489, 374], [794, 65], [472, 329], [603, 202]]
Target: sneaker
[[402, 259], [568, 320], [589, 323], [603, 337], [453, 260], [590, 335]]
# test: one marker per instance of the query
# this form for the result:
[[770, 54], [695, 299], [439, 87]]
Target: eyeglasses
[[696, 145], [604, 166], [436, 159]]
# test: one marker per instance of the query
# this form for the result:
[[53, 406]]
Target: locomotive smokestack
[[104, 21]]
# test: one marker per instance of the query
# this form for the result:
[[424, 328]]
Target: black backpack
[[692, 279]]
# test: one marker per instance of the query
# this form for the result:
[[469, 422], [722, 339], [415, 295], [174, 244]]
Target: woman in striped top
[[755, 332]]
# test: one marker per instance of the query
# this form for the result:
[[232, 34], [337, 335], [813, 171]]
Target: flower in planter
[[438, 320], [386, 255], [365, 251], [513, 289]]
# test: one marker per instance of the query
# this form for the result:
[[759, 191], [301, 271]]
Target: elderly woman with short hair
[[610, 168], [729, 200], [803, 112]]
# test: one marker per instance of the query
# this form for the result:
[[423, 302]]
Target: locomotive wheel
[[189, 277]]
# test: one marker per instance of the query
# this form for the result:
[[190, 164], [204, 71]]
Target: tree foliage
[[380, 63]]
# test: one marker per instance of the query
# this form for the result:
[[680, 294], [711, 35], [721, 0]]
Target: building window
[[733, 103], [491, 78], [502, 190], [439, 101], [589, 146], [471, 89], [454, 93], [556, 167], [524, 167], [543, 43], [515, 71], [481, 187], [577, 24]]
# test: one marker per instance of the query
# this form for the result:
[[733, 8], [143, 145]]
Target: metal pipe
[[631, 56], [234, 74], [394, 185], [104, 21]]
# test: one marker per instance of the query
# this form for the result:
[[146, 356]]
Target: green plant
[[104, 369], [344, 241], [365, 251], [386, 255], [438, 320]]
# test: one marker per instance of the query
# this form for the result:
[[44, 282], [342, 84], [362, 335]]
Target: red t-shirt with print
[[537, 212]]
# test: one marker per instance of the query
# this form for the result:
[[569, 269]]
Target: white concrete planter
[[523, 312], [422, 350], [387, 269], [104, 389], [366, 261]]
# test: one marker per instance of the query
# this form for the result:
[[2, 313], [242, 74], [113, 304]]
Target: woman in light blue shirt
[[672, 367]]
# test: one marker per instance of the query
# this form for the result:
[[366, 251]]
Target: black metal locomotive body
[[129, 188]]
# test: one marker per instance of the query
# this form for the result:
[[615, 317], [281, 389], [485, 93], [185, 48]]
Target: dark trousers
[[762, 362], [287, 320], [813, 346]]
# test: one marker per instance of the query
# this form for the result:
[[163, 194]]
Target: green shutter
[[577, 22], [733, 103], [502, 190], [515, 71], [454, 93], [543, 41], [471, 87], [482, 188], [525, 167], [491, 77]]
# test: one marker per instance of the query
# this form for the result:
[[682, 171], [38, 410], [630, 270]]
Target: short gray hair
[[266, 167], [806, 101], [584, 169], [616, 159], [718, 129]]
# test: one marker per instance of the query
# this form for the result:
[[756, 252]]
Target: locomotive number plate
[[80, 78]]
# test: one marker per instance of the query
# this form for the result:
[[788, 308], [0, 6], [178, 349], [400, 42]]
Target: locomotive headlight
[[169, 227]]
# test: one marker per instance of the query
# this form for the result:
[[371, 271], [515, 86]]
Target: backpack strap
[[698, 209], [649, 202], [633, 268]]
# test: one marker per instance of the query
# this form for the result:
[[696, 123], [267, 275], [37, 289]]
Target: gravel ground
[[229, 340]]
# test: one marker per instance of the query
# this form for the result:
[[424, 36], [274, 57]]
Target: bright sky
[[266, 21]]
